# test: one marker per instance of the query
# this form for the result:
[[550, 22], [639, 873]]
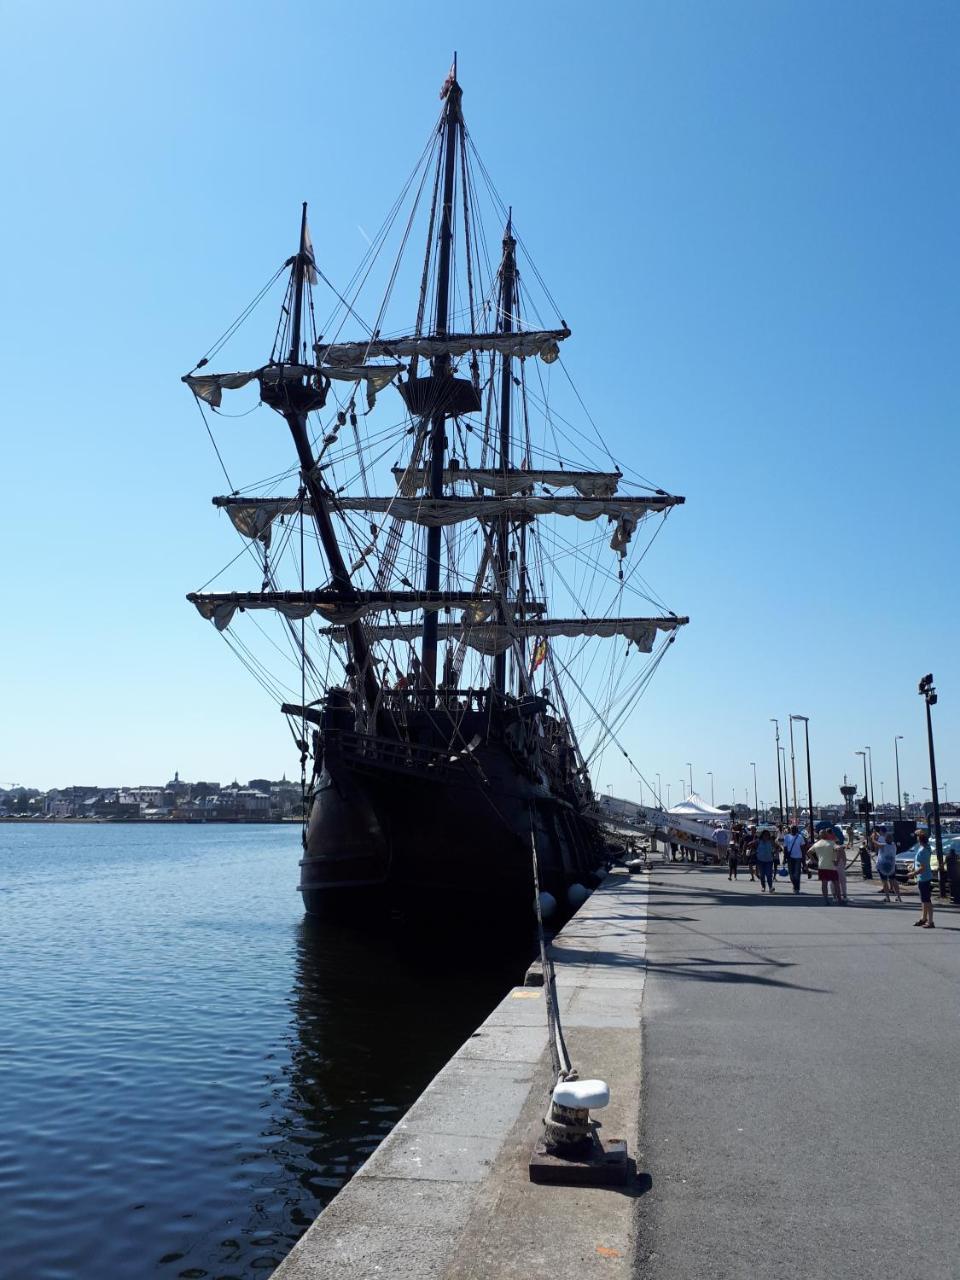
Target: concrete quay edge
[[446, 1195]]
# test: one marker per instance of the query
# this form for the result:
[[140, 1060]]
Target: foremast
[[293, 399]]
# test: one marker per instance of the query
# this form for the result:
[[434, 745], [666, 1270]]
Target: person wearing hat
[[886, 852], [923, 874], [824, 850]]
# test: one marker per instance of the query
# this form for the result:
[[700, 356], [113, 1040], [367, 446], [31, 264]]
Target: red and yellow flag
[[539, 656]]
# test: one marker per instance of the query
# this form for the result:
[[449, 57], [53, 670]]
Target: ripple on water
[[190, 1070]]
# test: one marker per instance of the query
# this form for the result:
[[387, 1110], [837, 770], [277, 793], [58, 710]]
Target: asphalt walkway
[[800, 1109]]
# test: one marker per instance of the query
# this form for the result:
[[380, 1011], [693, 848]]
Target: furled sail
[[253, 516], [211, 386], [530, 342], [493, 638], [220, 607], [590, 484]]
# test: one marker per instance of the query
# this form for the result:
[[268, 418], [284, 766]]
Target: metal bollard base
[[601, 1164]]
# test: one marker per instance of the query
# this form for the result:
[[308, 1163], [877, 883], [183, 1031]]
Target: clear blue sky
[[748, 212]]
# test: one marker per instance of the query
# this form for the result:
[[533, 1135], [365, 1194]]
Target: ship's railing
[[387, 752]]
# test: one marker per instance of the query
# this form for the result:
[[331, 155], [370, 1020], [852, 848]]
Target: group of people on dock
[[766, 852]]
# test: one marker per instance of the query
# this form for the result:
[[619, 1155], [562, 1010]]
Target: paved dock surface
[[447, 1196], [800, 1105]]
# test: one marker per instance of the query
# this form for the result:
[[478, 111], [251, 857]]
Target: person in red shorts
[[825, 851]]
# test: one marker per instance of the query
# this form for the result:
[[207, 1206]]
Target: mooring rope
[[562, 1067]]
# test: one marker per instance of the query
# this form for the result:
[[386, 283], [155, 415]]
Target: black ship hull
[[402, 825]]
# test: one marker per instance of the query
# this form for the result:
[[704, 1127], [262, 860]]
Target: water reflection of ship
[[374, 1017]]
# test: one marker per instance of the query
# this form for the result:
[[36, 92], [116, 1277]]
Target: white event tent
[[697, 808]]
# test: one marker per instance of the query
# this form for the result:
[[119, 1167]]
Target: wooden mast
[[507, 292], [440, 368], [295, 415]]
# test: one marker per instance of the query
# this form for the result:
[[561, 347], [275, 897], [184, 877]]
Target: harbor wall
[[446, 1195]]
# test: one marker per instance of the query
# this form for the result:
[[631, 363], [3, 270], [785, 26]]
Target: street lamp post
[[929, 695], [756, 802], [668, 795], [779, 784], [710, 776], [882, 801], [865, 848], [896, 756], [873, 794], [806, 734], [659, 793], [690, 767], [793, 769]]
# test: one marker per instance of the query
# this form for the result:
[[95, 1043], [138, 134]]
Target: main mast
[[440, 367]]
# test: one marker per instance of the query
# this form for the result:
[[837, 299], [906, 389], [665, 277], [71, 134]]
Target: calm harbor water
[[189, 1068]]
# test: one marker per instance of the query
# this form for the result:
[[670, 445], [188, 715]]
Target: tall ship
[[448, 559]]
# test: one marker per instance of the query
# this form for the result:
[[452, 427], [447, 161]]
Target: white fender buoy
[[577, 895], [548, 904]]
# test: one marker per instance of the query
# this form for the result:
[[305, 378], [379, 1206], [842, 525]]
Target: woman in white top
[[886, 852]]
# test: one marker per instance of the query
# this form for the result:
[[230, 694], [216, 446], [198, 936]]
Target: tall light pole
[[756, 802], [882, 801], [659, 793], [806, 731], [710, 776], [873, 794], [929, 694], [896, 756], [783, 816], [668, 795], [793, 767], [866, 796], [865, 865], [690, 767]]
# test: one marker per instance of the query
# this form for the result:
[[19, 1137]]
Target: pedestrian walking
[[750, 849], [725, 849], [765, 852], [886, 852], [923, 875], [793, 844], [824, 851]]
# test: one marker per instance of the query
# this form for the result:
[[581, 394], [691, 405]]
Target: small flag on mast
[[539, 656], [451, 79], [308, 250]]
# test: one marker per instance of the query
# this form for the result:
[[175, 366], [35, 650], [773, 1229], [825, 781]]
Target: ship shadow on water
[[375, 1015]]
